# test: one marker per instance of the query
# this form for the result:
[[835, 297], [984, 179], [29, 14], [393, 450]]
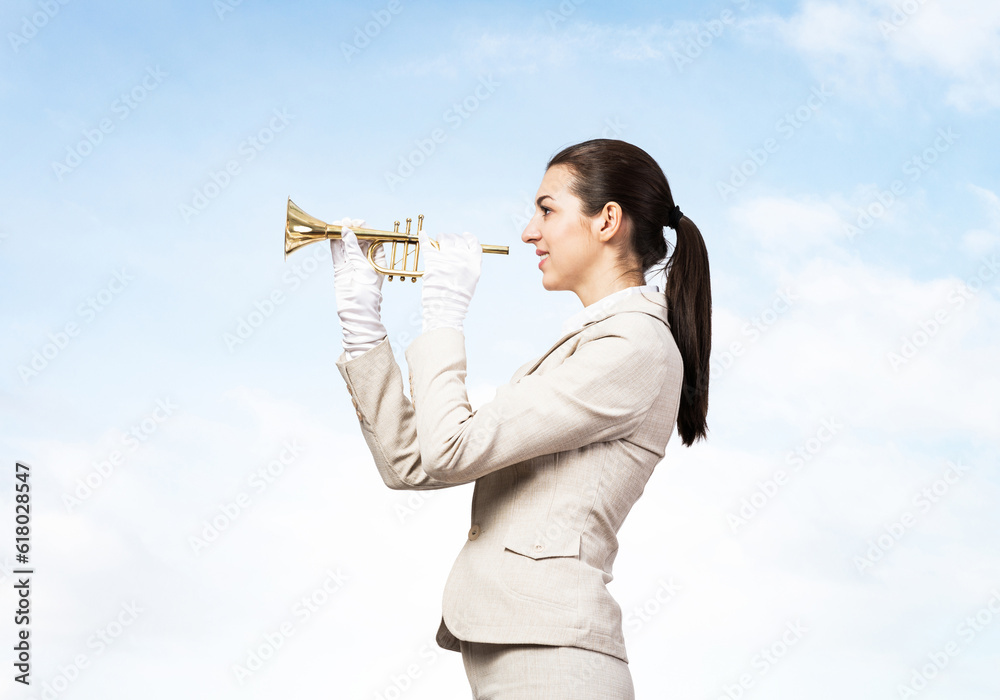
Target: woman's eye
[[545, 210]]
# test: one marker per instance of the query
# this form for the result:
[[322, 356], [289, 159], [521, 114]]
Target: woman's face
[[559, 229]]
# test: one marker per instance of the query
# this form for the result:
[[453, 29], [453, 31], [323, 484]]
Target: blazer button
[[539, 547], [474, 532]]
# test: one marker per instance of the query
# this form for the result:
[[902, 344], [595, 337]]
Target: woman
[[564, 450]]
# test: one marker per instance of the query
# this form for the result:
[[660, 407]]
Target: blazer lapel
[[652, 304]]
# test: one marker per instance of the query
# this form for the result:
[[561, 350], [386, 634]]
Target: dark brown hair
[[608, 170]]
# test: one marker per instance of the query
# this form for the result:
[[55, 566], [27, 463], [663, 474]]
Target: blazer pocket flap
[[553, 541]]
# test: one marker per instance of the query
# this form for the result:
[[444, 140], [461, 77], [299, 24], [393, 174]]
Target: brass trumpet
[[302, 229]]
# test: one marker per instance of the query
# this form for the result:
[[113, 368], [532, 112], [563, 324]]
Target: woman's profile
[[564, 450]]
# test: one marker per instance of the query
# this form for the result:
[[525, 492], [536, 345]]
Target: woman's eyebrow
[[538, 202]]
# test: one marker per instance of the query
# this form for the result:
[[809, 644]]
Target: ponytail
[[689, 311]]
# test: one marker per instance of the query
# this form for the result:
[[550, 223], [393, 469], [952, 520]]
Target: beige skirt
[[543, 672]]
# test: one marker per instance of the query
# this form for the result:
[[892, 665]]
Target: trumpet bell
[[301, 228]]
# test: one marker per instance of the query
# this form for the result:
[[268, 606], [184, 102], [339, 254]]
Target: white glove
[[449, 279], [359, 290]]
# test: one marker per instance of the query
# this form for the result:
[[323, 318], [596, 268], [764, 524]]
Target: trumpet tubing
[[301, 229]]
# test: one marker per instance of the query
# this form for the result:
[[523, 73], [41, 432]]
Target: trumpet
[[302, 229]]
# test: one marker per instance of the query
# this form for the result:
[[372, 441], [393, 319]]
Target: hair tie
[[674, 216]]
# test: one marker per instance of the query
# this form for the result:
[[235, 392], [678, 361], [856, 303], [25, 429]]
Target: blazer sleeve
[[601, 392], [386, 416]]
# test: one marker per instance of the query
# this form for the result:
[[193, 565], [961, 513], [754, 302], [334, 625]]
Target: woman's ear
[[608, 222]]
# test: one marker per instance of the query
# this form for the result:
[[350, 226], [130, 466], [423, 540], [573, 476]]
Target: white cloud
[[552, 47], [781, 223], [867, 43], [854, 320], [991, 200], [980, 242], [861, 46]]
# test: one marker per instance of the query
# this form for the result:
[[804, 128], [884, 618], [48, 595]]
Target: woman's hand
[[358, 288], [449, 280]]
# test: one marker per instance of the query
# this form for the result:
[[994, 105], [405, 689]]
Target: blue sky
[[146, 156]]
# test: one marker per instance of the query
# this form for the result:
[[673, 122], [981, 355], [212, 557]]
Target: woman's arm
[[600, 392], [387, 418]]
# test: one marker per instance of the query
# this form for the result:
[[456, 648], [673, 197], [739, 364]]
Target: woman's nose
[[530, 233]]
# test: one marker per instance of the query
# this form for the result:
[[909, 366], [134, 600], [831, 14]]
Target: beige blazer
[[559, 457]]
